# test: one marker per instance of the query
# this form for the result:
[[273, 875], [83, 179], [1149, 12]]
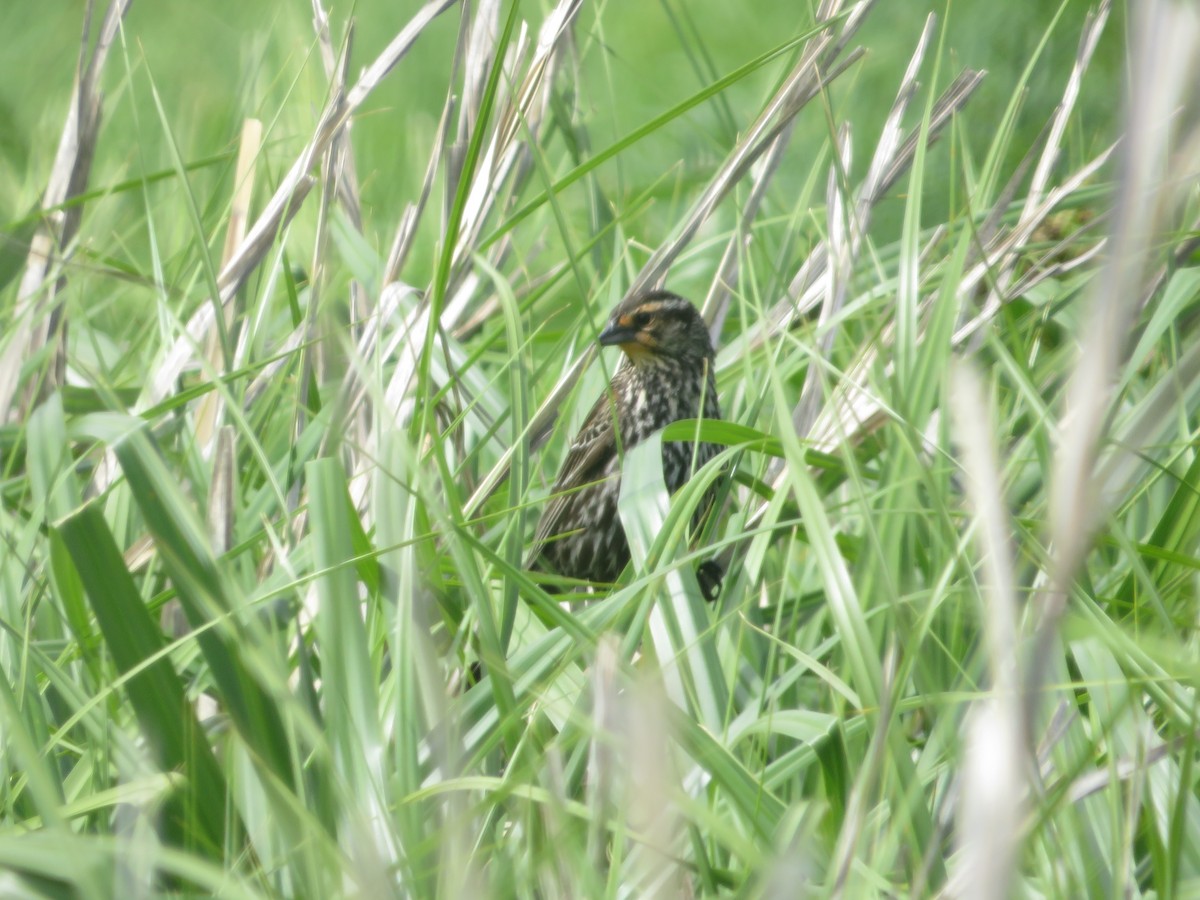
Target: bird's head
[[658, 327]]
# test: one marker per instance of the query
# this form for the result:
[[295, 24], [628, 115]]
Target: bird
[[666, 374]]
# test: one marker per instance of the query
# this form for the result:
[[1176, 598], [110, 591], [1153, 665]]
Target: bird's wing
[[593, 446]]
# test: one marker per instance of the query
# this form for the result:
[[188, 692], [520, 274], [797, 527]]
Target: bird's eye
[[641, 320]]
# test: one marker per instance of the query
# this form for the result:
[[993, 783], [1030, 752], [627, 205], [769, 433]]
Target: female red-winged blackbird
[[666, 374]]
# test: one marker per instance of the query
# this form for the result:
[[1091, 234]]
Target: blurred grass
[[248, 59], [371, 697]]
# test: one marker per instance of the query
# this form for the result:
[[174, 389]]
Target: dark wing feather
[[593, 446]]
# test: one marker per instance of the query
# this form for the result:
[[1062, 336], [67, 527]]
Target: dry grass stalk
[[992, 787], [848, 224], [515, 127], [805, 290], [208, 411], [1164, 59], [768, 133], [817, 64], [285, 202], [38, 313], [526, 107], [999, 259], [852, 410]]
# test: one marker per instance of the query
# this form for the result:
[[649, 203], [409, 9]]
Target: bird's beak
[[616, 334]]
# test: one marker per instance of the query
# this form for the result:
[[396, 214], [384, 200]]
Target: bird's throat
[[639, 354]]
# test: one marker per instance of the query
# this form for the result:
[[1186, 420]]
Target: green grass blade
[[197, 816]]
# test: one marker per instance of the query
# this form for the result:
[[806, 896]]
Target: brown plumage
[[666, 374]]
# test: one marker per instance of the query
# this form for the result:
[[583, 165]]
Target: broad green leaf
[[213, 606], [197, 814]]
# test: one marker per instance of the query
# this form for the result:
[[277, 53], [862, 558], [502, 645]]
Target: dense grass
[[266, 630]]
